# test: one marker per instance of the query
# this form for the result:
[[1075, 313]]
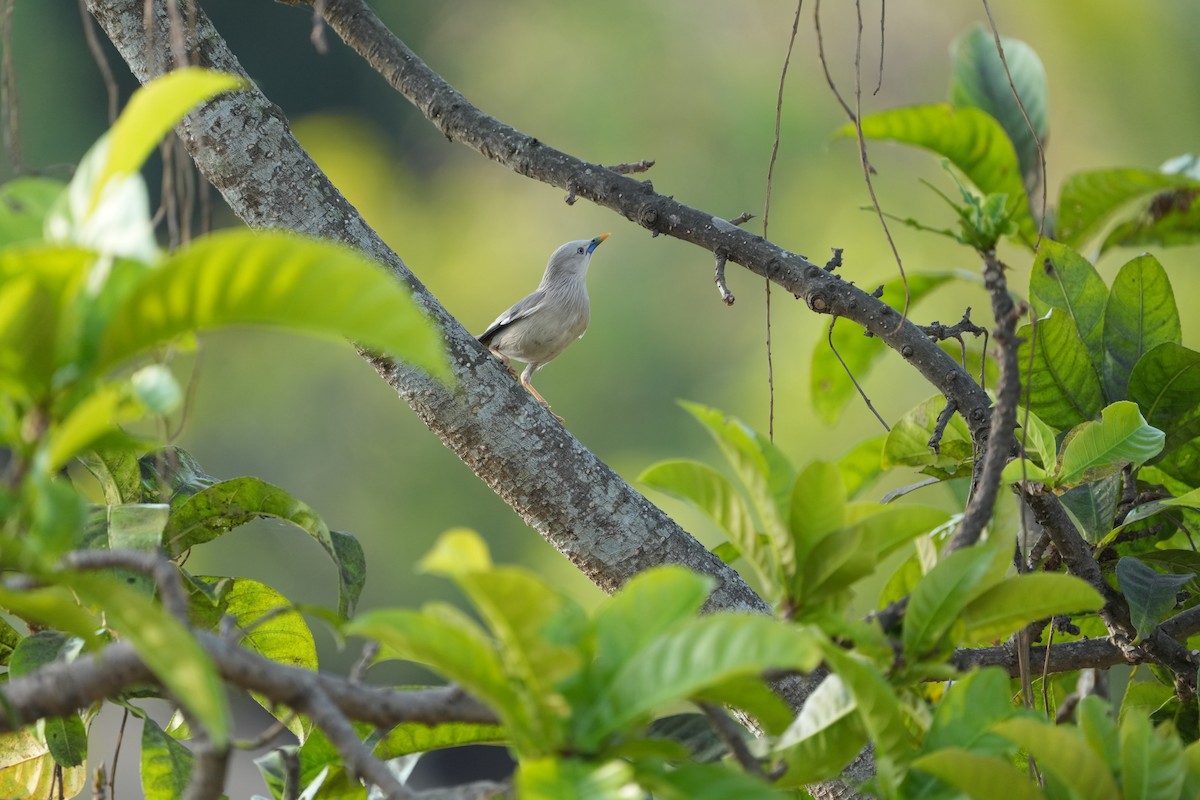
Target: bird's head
[[571, 260]]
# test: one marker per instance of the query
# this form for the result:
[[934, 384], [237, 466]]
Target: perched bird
[[538, 328]]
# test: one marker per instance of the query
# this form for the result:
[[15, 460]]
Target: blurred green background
[[690, 84]]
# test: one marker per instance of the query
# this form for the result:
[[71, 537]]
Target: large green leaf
[[556, 778], [1140, 315], [170, 651], [39, 649], [67, 739], [1022, 599], [1096, 450], [713, 493], [151, 113], [218, 509], [1150, 593], [1152, 765], [971, 706], [1089, 199], [27, 769], [1064, 387], [827, 734], [419, 737], [1172, 217], [274, 278], [166, 764], [1062, 752], [690, 781], [878, 704], [971, 139], [980, 80], [979, 777], [939, 599], [686, 659], [1063, 280], [1166, 386], [831, 388], [818, 507]]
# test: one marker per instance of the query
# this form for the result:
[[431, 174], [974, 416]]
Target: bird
[[539, 327]]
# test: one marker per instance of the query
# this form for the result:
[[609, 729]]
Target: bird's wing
[[523, 308]]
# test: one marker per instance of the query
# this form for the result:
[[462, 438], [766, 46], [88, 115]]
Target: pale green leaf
[[818, 507], [1062, 752], [862, 466], [979, 777], [939, 599], [27, 770], [151, 113], [907, 442], [1022, 599], [1141, 314], [1151, 764], [1037, 438], [878, 705], [688, 658], [1095, 450], [457, 552], [558, 778], [825, 737], [274, 278]]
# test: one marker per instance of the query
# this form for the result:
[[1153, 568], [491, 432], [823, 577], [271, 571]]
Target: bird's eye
[[580, 250]]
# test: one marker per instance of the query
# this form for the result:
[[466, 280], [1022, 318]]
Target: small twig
[[291, 773], [112, 778], [155, 565], [726, 296], [939, 428], [835, 260], [359, 670], [731, 734], [742, 218], [631, 167], [270, 732], [853, 380], [105, 69], [358, 757]]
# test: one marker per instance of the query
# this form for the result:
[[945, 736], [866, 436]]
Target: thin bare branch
[[719, 278]]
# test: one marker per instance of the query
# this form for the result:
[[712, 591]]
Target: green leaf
[[969, 709], [218, 509], [418, 737], [749, 694], [1037, 437], [27, 769], [1172, 217], [862, 466], [689, 781], [270, 625], [878, 705], [151, 113], [1064, 387], [116, 469], [55, 607], [830, 387], [1152, 765], [558, 778], [1062, 752], [39, 649], [24, 204], [980, 777], [939, 599], [67, 739], [1151, 594], [825, 737], [166, 764], [818, 507], [453, 646], [685, 660], [1063, 280], [907, 442], [170, 651], [1089, 199], [1165, 384], [274, 278], [9, 639], [980, 80], [1096, 450], [1094, 506], [971, 139], [1140, 315], [712, 493], [1022, 599], [622, 626]]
